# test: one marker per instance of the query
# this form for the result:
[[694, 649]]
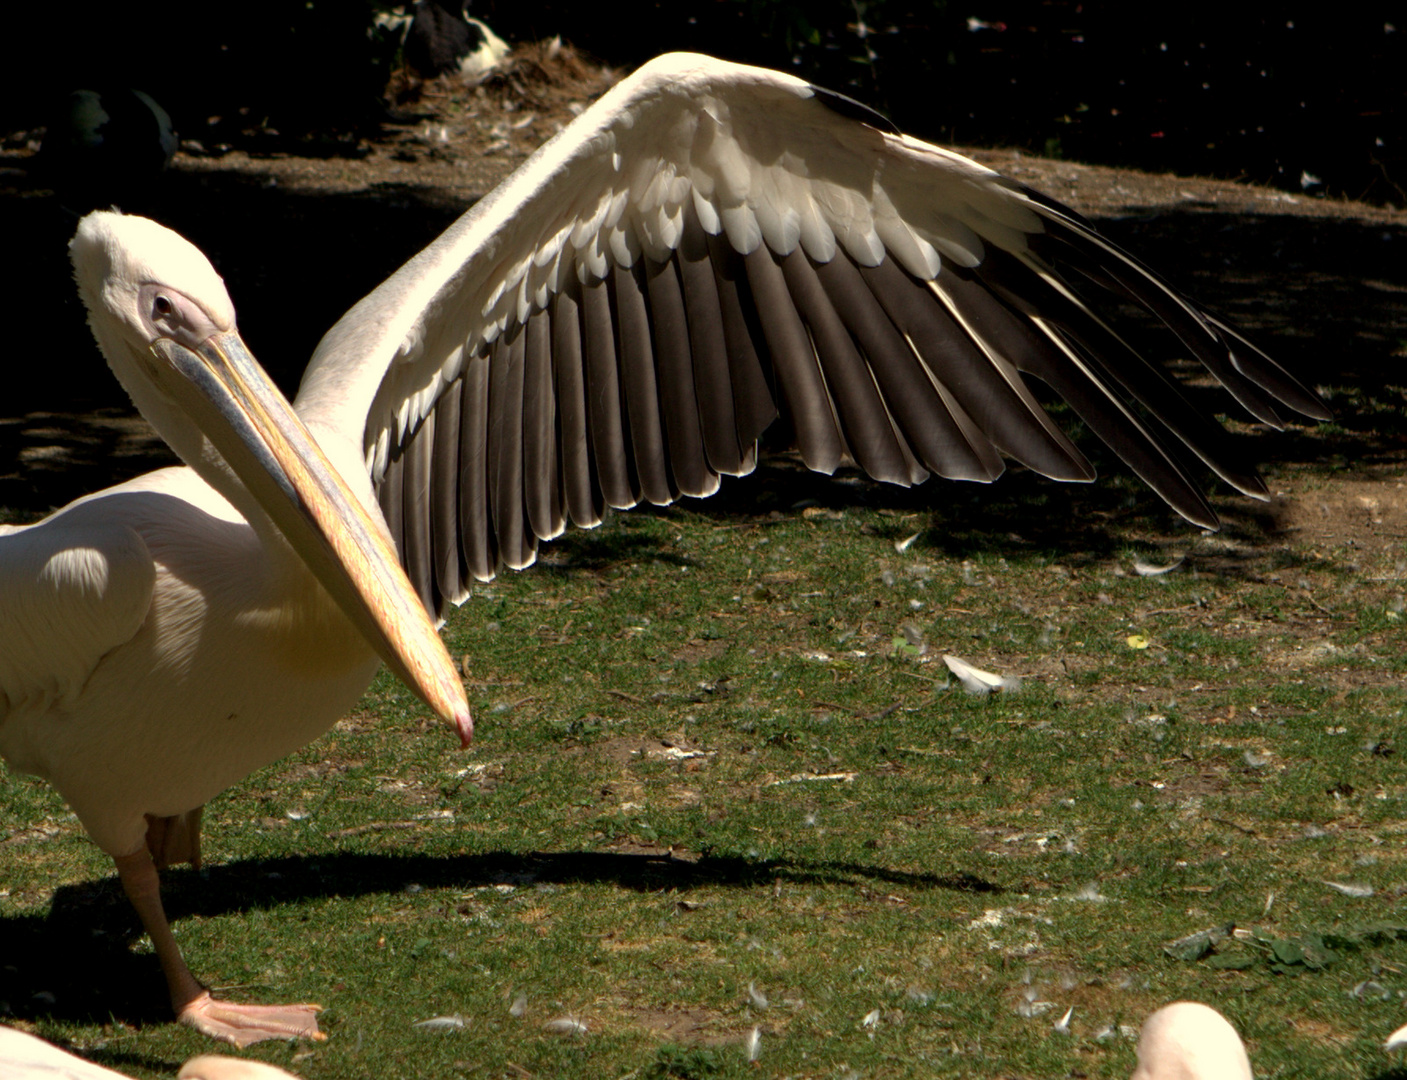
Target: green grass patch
[[724, 783]]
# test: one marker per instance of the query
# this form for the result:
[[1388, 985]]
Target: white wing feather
[[875, 350], [759, 158]]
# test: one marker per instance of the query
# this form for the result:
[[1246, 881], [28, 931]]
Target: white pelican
[[25, 1057], [705, 248], [1190, 1041]]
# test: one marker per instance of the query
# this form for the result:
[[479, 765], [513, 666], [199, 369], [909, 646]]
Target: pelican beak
[[254, 428]]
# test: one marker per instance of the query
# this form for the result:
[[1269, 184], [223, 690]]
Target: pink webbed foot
[[244, 1025]]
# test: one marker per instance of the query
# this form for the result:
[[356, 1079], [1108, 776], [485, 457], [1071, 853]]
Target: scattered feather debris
[[756, 997], [519, 1008], [1371, 988], [990, 918], [909, 639], [753, 1043], [441, 1023], [870, 1019], [976, 681], [903, 545], [1062, 1026], [1147, 569], [1030, 1004], [1358, 892], [565, 1025], [675, 753], [811, 778]]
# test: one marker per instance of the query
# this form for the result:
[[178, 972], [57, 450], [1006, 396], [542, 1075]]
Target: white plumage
[[1397, 1040], [1190, 1041], [706, 248], [162, 639], [695, 180], [24, 1057]]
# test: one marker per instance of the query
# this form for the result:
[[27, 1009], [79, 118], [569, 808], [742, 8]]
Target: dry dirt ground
[[1321, 284]]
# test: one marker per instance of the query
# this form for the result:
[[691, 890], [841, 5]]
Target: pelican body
[[707, 248], [171, 601], [165, 637]]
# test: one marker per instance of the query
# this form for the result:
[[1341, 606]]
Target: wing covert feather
[[73, 592]]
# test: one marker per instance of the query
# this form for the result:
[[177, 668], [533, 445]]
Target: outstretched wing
[[710, 247]]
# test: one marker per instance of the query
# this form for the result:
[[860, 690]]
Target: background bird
[[707, 250], [25, 1057], [1190, 1041], [443, 37], [105, 148]]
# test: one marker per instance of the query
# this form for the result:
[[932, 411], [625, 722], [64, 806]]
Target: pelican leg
[[227, 1021], [175, 839]]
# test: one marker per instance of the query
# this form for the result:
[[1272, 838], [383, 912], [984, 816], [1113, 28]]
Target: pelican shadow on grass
[[705, 251]]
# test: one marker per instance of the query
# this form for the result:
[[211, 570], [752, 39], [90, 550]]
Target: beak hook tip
[[464, 724]]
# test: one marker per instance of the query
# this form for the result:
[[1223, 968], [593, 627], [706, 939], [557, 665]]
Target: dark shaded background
[[1221, 89], [1256, 91], [1199, 88]]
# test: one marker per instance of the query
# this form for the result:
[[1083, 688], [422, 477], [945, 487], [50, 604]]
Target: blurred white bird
[[1190, 1041], [25, 1057]]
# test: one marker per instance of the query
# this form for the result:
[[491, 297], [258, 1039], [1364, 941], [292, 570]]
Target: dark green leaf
[[1287, 951]]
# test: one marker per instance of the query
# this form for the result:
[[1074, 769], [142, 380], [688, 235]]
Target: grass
[[724, 782]]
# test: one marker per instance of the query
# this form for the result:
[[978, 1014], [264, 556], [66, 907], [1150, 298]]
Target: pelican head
[[165, 323], [142, 283]]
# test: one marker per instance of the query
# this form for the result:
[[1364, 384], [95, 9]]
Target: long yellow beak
[[254, 428]]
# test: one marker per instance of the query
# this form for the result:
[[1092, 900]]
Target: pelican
[[706, 249], [1190, 1041]]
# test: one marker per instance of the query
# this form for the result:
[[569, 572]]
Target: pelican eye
[[162, 306]]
